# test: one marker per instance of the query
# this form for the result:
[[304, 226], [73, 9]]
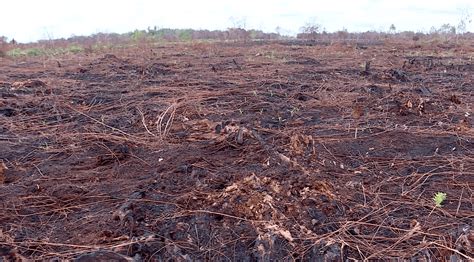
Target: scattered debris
[[28, 84], [268, 150], [125, 212], [400, 75]]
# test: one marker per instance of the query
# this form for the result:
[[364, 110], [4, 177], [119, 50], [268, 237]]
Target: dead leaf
[[3, 170], [421, 107], [453, 98], [284, 158], [231, 188], [283, 232], [275, 186], [296, 145], [286, 234], [464, 125], [357, 111]]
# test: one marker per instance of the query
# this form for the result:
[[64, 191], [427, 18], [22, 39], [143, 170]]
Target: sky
[[31, 20]]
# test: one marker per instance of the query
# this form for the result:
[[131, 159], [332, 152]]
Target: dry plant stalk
[[165, 120], [144, 122]]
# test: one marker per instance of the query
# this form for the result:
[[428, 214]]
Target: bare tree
[[464, 21], [3, 46], [392, 29], [278, 30], [3, 39], [238, 22], [311, 28]]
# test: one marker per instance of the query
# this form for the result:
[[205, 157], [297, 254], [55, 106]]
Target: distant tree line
[[310, 31], [313, 30], [173, 35]]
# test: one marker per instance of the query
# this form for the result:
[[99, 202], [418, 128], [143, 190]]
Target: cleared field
[[239, 151]]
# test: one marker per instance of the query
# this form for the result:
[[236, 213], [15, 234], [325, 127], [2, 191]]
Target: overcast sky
[[30, 20]]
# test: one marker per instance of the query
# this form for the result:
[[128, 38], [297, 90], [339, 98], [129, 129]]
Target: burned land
[[248, 151]]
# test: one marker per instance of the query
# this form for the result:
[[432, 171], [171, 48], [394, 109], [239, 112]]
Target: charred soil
[[238, 151]]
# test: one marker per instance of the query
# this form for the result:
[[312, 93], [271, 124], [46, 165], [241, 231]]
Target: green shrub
[[34, 52], [185, 34], [16, 52], [75, 49]]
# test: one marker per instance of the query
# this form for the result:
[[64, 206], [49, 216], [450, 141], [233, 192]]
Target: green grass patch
[[38, 51]]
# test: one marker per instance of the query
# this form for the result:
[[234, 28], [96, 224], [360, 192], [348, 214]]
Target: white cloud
[[30, 20]]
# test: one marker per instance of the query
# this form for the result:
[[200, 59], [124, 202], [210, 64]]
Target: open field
[[263, 151]]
